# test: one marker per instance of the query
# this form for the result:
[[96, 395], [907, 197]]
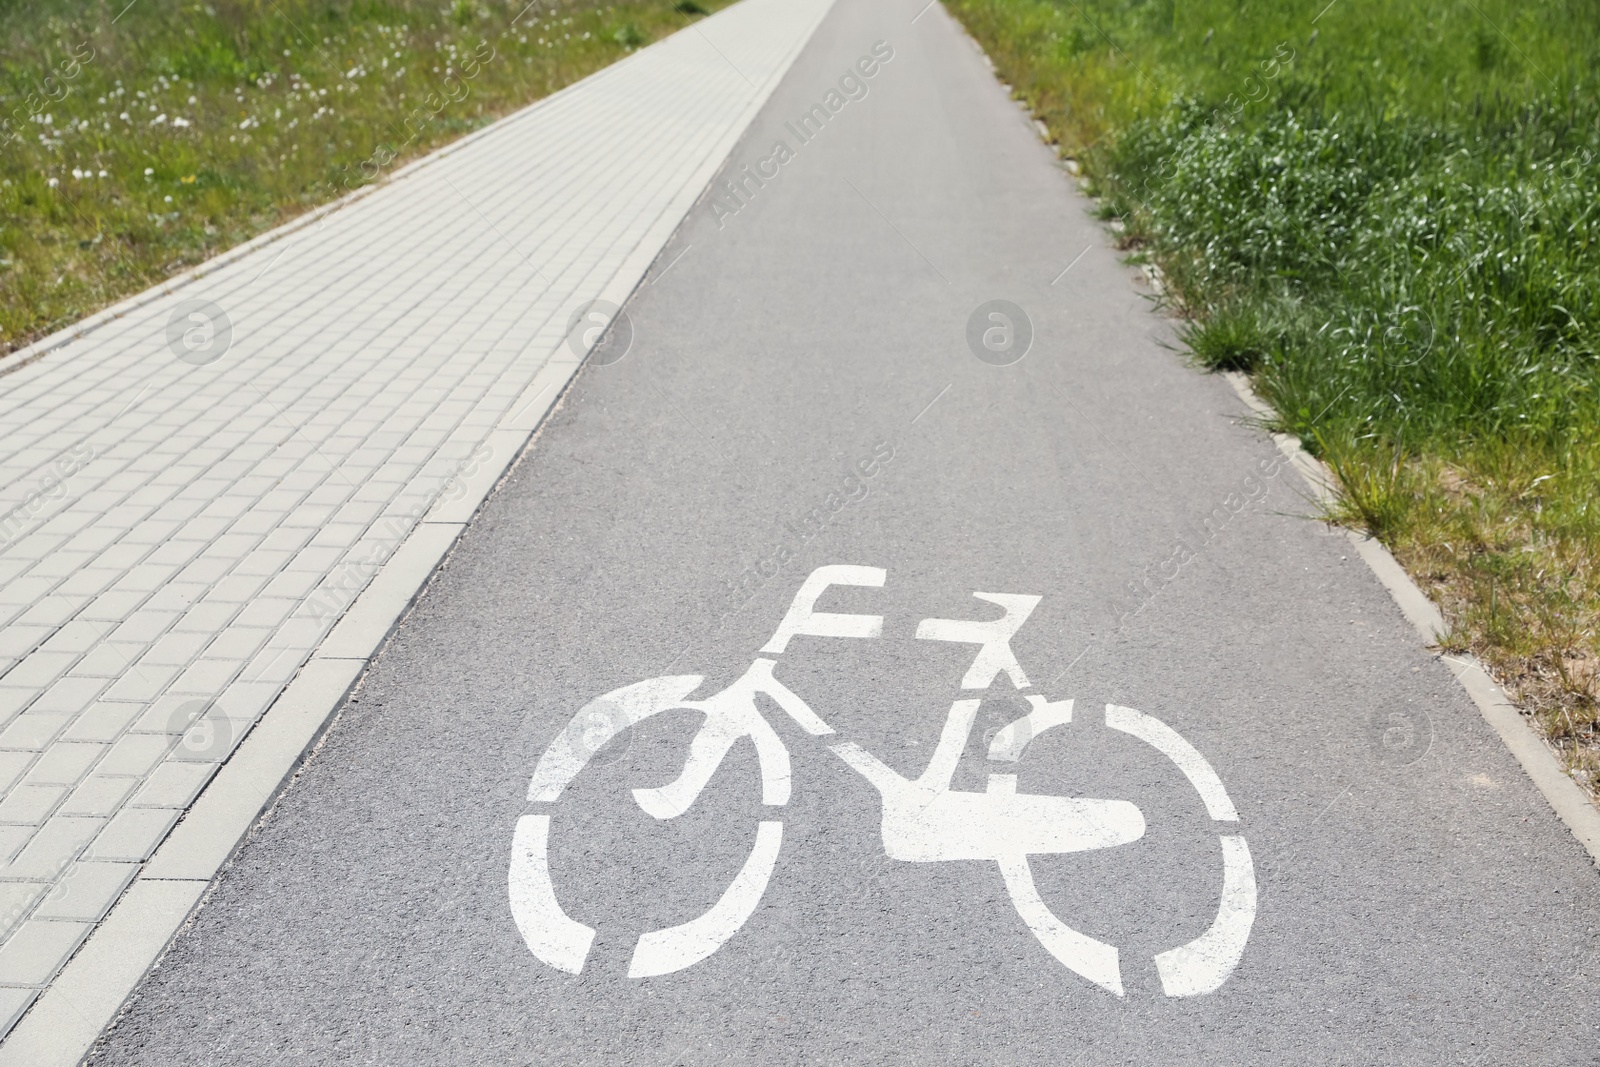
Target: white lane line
[[1013, 738], [677, 947], [551, 935], [596, 723], [993, 637], [803, 619], [1171, 744], [1078, 953], [1203, 964]]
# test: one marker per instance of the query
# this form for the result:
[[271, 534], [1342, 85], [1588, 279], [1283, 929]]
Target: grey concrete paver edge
[[136, 931]]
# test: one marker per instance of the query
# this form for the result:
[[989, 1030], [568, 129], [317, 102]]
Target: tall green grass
[[1412, 280], [139, 139], [1389, 215]]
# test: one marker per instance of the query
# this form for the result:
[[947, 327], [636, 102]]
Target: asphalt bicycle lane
[[552, 827], [925, 819]]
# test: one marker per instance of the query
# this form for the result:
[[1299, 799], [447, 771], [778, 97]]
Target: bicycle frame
[[923, 820]]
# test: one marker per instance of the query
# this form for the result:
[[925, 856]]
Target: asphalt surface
[[800, 392]]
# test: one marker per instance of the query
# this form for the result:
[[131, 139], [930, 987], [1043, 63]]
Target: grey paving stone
[[60, 563], [175, 649], [107, 660], [238, 643], [53, 611], [31, 804], [143, 627], [12, 840], [40, 669], [69, 695], [16, 901], [77, 637], [135, 754], [107, 720], [88, 581], [266, 611], [52, 846], [272, 665], [20, 640], [14, 698], [33, 730], [174, 784], [206, 617], [98, 795], [132, 834], [206, 676], [248, 700], [64, 763], [113, 605], [145, 681], [13, 1002], [38, 948], [85, 891], [12, 764]]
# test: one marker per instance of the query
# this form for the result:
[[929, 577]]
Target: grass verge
[[1387, 212], [142, 138]]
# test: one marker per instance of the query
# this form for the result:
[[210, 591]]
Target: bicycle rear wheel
[[562, 942]]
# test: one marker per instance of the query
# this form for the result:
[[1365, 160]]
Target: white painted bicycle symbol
[[924, 819]]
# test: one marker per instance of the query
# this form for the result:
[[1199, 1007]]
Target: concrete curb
[[1572, 806], [68, 1018]]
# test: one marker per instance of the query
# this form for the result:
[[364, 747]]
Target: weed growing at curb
[[1391, 221]]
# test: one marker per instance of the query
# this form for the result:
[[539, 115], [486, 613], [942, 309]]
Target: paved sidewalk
[[196, 492]]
